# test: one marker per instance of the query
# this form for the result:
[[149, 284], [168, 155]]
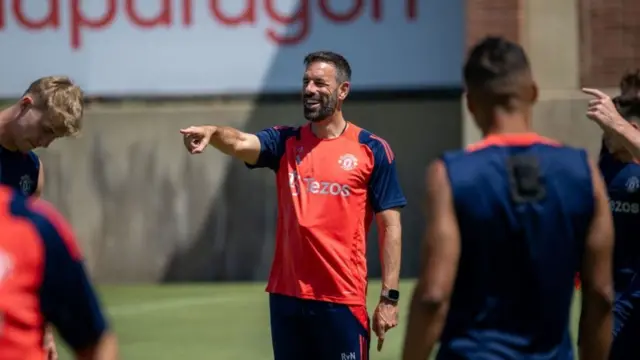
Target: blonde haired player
[[51, 108]]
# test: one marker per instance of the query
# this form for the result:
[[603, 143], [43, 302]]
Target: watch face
[[394, 295]]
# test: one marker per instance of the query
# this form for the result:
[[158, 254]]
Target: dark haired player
[[332, 178], [620, 119], [42, 280], [509, 220]]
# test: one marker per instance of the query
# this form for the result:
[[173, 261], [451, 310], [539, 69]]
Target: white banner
[[190, 47]]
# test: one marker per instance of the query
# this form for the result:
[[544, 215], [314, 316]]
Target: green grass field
[[210, 321]]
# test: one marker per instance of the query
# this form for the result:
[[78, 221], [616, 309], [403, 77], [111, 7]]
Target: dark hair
[[497, 67], [343, 69], [628, 102]]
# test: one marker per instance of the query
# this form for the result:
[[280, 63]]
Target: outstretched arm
[[263, 149], [228, 140]]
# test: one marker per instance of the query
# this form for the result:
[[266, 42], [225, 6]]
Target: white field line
[[151, 306]]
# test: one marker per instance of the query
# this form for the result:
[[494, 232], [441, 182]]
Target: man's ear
[[535, 93], [343, 90], [26, 102]]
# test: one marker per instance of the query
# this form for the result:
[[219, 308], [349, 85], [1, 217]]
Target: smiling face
[[324, 88], [319, 91]]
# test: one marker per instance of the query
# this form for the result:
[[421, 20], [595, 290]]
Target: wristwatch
[[392, 295]]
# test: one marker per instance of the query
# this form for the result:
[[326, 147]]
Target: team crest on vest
[[26, 184], [633, 184], [348, 162]]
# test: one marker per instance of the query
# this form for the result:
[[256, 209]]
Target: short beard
[[326, 109]]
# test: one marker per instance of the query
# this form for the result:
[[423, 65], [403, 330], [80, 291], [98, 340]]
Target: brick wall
[[493, 17], [609, 33], [609, 40]]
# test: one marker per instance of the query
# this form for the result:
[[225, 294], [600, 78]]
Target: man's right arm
[[263, 149], [236, 143], [596, 319], [603, 111]]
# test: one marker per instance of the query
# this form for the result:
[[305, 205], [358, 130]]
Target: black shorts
[[309, 329]]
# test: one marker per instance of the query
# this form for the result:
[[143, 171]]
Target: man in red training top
[[332, 178], [42, 280]]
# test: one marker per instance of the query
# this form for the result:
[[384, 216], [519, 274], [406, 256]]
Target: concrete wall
[[558, 114], [145, 210], [561, 115], [571, 42], [554, 34]]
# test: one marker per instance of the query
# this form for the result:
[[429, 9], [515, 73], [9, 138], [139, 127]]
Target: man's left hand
[[385, 317], [50, 345]]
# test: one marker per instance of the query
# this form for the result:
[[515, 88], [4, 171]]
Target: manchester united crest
[[348, 162], [26, 184]]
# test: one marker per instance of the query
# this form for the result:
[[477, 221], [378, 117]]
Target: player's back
[[524, 204], [19, 170], [41, 280], [20, 259]]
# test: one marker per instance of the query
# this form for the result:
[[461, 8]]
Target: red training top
[[328, 192], [42, 280]]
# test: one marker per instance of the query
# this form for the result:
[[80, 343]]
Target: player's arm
[[68, 300], [236, 143], [603, 111], [438, 268], [49, 340], [627, 134], [105, 349], [387, 199], [40, 186], [596, 319], [263, 149], [390, 239]]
